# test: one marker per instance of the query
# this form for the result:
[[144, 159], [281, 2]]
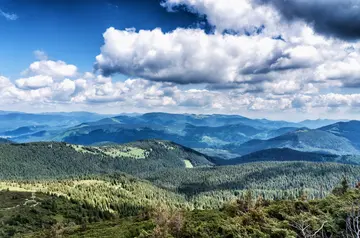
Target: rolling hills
[[303, 140], [195, 131], [5, 141], [349, 130], [57, 189], [286, 154], [13, 120]]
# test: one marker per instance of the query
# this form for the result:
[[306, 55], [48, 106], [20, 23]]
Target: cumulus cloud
[[55, 69], [261, 58], [244, 16], [192, 56], [35, 82], [339, 18], [250, 15]]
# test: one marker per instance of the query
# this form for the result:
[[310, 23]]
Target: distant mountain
[[315, 124], [302, 140], [349, 130], [187, 135], [265, 135], [285, 154], [23, 130], [13, 120], [5, 141], [85, 135], [215, 120], [195, 131], [44, 160]]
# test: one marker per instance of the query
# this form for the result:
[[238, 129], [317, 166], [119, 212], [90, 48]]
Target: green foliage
[[49, 160], [212, 187], [24, 212]]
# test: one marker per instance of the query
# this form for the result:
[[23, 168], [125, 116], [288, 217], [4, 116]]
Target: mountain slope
[[302, 140], [315, 124], [14, 120], [285, 154], [5, 141], [41, 160], [265, 135], [349, 130]]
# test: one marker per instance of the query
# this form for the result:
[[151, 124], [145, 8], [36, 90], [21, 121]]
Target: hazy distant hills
[[314, 124], [225, 136], [349, 130], [13, 120], [4, 141], [286, 154], [302, 140]]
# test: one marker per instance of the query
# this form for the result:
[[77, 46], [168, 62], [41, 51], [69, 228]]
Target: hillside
[[285, 154], [5, 141], [349, 130], [126, 208], [302, 140], [194, 131], [315, 124], [13, 120], [265, 135], [45, 160], [22, 130]]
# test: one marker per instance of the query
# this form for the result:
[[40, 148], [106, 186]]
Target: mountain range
[[217, 136]]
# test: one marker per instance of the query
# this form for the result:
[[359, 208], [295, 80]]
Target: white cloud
[[238, 15], [9, 16], [192, 56], [35, 82], [40, 55], [55, 69]]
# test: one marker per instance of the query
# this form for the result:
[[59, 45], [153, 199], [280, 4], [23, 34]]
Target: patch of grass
[[188, 164], [124, 151]]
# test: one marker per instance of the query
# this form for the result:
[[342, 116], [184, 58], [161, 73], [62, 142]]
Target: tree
[[344, 187], [353, 222]]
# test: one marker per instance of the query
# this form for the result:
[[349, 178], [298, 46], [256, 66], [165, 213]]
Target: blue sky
[[197, 56], [72, 30]]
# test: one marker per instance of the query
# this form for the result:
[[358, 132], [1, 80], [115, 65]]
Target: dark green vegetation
[[63, 190], [156, 188], [285, 154], [48, 160], [82, 214], [26, 212], [176, 169]]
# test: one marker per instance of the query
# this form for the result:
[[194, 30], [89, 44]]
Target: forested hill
[[285, 154], [49, 160]]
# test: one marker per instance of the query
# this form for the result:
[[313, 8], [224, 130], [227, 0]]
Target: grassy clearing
[[188, 164], [113, 151], [126, 151]]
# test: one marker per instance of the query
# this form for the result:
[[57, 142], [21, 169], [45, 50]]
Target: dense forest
[[51, 214], [49, 160], [157, 188]]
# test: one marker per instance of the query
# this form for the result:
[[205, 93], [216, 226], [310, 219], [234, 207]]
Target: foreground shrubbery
[[333, 216]]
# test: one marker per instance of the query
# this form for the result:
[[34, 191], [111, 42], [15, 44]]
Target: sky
[[275, 59]]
